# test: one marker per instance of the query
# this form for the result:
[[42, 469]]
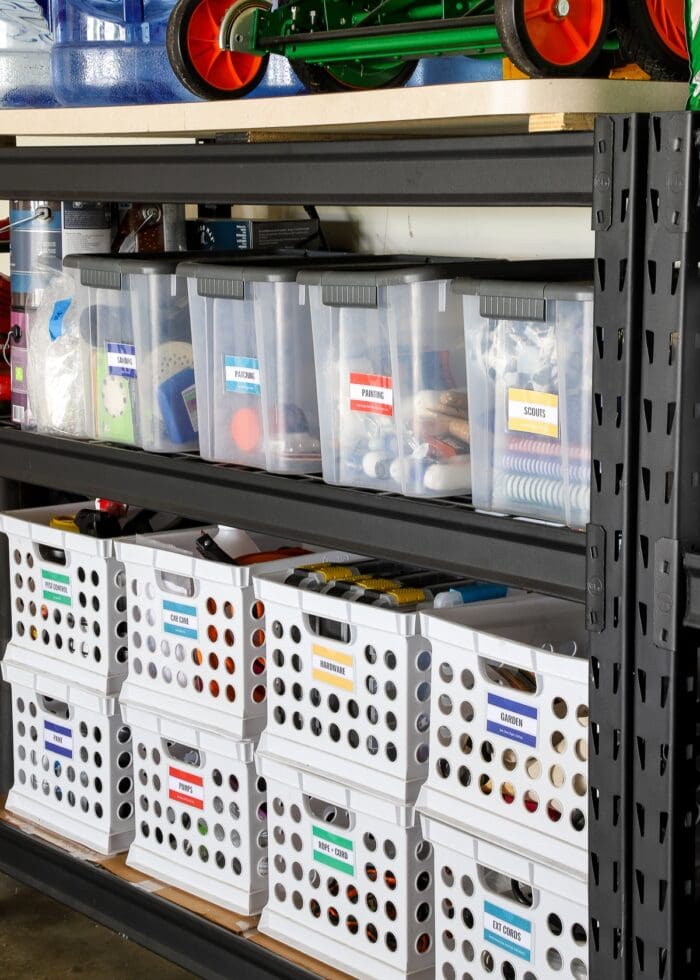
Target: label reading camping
[[371, 393], [56, 587], [121, 360], [179, 619], [58, 739], [536, 412], [334, 851], [509, 932], [186, 787], [512, 719], [332, 667], [242, 374]]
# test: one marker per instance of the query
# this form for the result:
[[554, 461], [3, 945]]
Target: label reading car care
[[180, 620], [371, 393], [512, 719], [186, 787], [332, 667], [334, 851], [242, 374], [509, 932], [56, 587], [536, 412], [189, 397], [121, 360], [58, 739]]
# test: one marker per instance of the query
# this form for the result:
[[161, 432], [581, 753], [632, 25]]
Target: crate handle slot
[[181, 585], [56, 556], [329, 629], [52, 706], [329, 813], [186, 754], [506, 887], [502, 674]]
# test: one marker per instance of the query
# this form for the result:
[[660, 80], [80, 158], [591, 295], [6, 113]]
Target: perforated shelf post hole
[[68, 599], [73, 764], [351, 878], [201, 812]]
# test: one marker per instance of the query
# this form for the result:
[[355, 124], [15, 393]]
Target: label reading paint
[[186, 787], [58, 739], [56, 587], [512, 719], [334, 851], [509, 932], [371, 393], [189, 397], [536, 412], [242, 374], [180, 620], [121, 360], [332, 667]]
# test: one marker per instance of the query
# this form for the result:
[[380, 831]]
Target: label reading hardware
[[180, 620], [334, 851], [372, 393], [186, 787], [242, 374], [509, 932], [332, 667], [512, 719], [121, 360], [536, 412], [56, 587], [58, 739]]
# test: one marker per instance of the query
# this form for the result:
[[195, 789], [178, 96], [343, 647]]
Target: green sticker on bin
[[56, 587], [334, 851]]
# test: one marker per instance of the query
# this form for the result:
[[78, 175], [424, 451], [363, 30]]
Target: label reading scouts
[[512, 719], [185, 787], [56, 587], [509, 932], [121, 360], [58, 739], [536, 412], [371, 393], [180, 620], [334, 851], [332, 667]]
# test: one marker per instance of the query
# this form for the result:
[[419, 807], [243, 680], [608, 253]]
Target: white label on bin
[[332, 667], [189, 397], [333, 850], [536, 412], [512, 719], [186, 787], [508, 931], [55, 587], [121, 360], [242, 374], [371, 393], [58, 739], [180, 620]]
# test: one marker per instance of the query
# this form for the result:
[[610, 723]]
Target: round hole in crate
[[390, 879], [297, 900], [219, 832], [82, 599], [487, 962], [33, 733], [229, 665], [20, 630], [485, 784], [167, 675], [198, 683], [22, 752], [448, 971], [186, 821], [554, 924], [560, 708], [45, 637], [391, 943], [17, 556], [58, 641], [445, 704], [179, 652], [554, 959], [442, 767], [371, 932], [298, 720], [531, 801], [32, 608], [487, 751], [581, 749], [579, 970], [371, 901], [58, 793], [213, 661], [212, 634], [278, 834], [120, 604], [277, 629], [296, 842], [423, 943], [32, 584], [84, 755], [278, 806], [19, 582], [155, 755], [444, 735], [370, 655], [157, 808], [352, 894], [278, 686], [391, 752], [297, 871], [98, 784], [423, 881], [257, 610], [122, 655], [352, 924], [211, 606], [218, 804], [45, 763], [125, 810], [295, 813], [228, 610], [507, 792], [353, 708], [295, 634], [370, 869], [334, 733], [57, 769], [124, 735], [448, 909], [423, 912], [372, 715], [34, 782], [579, 784], [558, 742], [390, 659], [96, 604], [122, 629], [258, 666], [423, 691], [145, 829], [371, 684], [152, 670], [22, 729], [423, 661], [370, 842], [390, 911], [390, 849], [372, 745], [19, 605], [124, 786], [203, 853], [447, 876], [509, 760], [466, 710], [202, 827], [97, 654], [333, 703], [259, 693], [445, 672], [315, 726], [578, 934], [578, 821], [391, 722], [465, 743], [297, 691], [57, 617], [258, 638], [279, 863], [261, 812], [422, 752], [229, 638], [582, 715], [507, 971], [557, 776], [333, 916], [467, 918], [280, 892], [236, 866], [172, 840], [464, 776], [315, 908], [187, 848], [197, 657], [533, 767], [84, 803], [33, 632], [150, 590]]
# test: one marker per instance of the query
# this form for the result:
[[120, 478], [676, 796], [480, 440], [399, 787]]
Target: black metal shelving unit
[[639, 175]]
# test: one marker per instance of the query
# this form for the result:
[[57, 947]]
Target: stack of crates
[[67, 659], [505, 802]]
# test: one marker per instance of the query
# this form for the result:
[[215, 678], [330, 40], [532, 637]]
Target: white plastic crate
[[68, 600], [196, 631], [500, 915], [355, 706], [73, 765], [351, 878], [509, 733], [201, 813]]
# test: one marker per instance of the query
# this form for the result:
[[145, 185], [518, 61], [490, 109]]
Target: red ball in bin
[[246, 430]]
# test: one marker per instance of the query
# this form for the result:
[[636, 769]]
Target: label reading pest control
[[509, 932], [186, 787], [242, 374], [189, 397], [58, 739], [332, 667], [121, 360], [536, 412], [56, 587], [180, 620], [371, 393], [334, 851], [512, 719]]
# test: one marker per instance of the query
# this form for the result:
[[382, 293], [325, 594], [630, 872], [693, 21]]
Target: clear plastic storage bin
[[201, 813], [254, 365], [529, 370], [68, 595], [391, 378], [509, 733], [73, 762], [498, 914], [143, 370], [351, 878]]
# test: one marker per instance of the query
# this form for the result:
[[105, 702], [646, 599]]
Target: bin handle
[[499, 673], [182, 753], [506, 887], [54, 706], [328, 629], [180, 585], [56, 556], [329, 813]]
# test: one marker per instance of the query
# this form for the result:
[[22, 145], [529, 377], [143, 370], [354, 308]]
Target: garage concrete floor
[[43, 940]]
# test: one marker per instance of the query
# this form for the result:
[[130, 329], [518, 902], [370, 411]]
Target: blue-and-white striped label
[[512, 719], [58, 739], [180, 620], [121, 360], [508, 931], [242, 374]]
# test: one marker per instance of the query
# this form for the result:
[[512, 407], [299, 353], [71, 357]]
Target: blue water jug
[[25, 51]]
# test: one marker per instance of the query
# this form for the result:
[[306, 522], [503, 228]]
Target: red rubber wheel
[[199, 62], [652, 35], [668, 20], [553, 38]]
